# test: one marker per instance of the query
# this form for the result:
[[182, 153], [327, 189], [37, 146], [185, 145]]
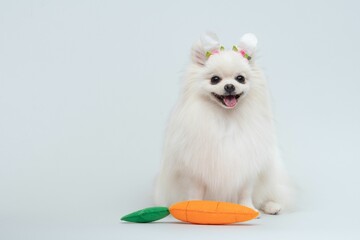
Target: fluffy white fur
[[213, 152]]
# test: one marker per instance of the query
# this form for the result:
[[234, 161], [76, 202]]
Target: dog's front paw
[[272, 208]]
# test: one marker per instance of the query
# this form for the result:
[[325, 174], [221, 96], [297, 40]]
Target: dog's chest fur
[[222, 149]]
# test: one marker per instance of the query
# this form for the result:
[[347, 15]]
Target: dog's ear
[[205, 47], [247, 45]]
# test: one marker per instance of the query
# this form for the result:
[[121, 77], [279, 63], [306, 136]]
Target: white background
[[86, 88]]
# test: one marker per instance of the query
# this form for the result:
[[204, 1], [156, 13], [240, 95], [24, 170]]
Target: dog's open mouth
[[229, 101]]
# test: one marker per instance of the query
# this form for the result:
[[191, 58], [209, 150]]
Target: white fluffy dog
[[220, 143]]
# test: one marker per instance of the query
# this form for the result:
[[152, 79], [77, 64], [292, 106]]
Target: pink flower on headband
[[215, 51], [242, 52]]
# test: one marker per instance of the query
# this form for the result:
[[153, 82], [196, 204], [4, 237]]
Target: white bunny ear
[[210, 41], [205, 47], [247, 45]]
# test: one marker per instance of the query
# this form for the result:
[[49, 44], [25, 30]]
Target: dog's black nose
[[229, 88]]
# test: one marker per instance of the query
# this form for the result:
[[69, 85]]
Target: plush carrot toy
[[199, 212]]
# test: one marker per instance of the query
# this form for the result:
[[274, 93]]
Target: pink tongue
[[230, 101]]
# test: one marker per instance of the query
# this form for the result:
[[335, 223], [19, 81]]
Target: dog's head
[[224, 76]]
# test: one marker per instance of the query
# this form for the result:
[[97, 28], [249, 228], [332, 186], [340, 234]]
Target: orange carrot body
[[211, 212]]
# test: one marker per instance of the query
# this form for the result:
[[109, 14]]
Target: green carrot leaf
[[147, 215]]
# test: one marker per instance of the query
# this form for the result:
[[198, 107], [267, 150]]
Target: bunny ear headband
[[246, 46]]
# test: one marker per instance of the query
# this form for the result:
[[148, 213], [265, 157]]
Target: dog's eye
[[240, 79], [215, 80]]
